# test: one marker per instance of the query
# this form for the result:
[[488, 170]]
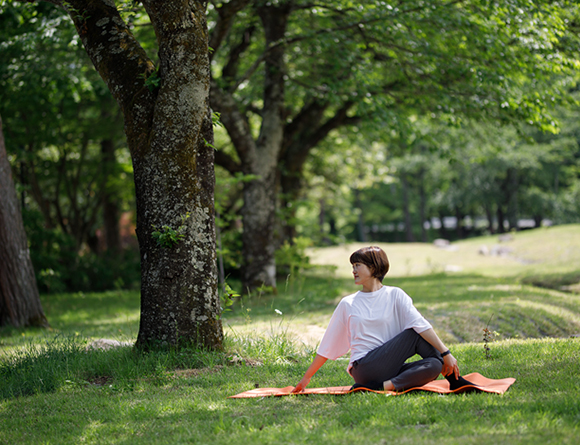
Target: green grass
[[53, 391], [542, 406]]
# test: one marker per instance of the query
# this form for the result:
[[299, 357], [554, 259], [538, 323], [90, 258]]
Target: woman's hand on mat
[[302, 384], [450, 366]]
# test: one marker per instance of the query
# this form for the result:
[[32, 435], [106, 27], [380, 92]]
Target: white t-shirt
[[365, 320]]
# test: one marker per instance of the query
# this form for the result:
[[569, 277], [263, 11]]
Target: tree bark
[[500, 219], [19, 300], [169, 133]]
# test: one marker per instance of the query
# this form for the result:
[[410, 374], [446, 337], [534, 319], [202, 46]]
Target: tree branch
[[234, 121], [226, 15], [226, 161], [231, 68], [304, 138]]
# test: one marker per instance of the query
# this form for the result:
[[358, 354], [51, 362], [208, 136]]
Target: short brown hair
[[374, 258]]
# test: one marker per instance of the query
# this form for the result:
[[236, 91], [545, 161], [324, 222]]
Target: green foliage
[[153, 81], [291, 258], [168, 237], [227, 298], [57, 113], [215, 119], [59, 267], [476, 169], [228, 202]]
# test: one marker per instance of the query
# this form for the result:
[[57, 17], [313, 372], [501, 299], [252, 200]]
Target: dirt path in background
[[307, 334]]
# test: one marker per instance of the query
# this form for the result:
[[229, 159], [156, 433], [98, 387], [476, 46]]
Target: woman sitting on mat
[[382, 329]]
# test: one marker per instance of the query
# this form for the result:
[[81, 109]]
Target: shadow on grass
[[46, 366]]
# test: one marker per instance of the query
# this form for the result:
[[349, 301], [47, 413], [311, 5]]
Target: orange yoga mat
[[480, 383]]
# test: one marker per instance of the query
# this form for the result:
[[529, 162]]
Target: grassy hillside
[[540, 251]]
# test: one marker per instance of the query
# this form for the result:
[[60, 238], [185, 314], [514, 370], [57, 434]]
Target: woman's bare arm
[[314, 366], [449, 362]]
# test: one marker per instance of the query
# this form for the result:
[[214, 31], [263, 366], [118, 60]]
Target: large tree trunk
[[169, 133], [259, 157], [277, 157], [19, 299], [259, 211]]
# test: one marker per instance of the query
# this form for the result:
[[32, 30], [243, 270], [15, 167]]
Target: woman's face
[[362, 273]]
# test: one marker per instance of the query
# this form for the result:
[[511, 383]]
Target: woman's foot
[[388, 386], [375, 386], [460, 384]]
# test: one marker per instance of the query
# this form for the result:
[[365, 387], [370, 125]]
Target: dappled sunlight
[[119, 319], [298, 331]]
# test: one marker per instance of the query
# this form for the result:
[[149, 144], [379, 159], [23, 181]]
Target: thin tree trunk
[[19, 299], [322, 216], [489, 216], [500, 219], [110, 206], [442, 230], [513, 198], [409, 237], [360, 226], [459, 227], [422, 204]]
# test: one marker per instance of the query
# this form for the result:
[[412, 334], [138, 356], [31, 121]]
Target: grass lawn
[[53, 391]]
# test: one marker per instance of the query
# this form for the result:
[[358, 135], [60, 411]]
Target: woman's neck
[[372, 286]]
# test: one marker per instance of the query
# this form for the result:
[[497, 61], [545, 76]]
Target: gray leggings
[[387, 362]]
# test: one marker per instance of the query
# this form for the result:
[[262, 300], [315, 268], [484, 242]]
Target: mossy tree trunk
[[169, 133]]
